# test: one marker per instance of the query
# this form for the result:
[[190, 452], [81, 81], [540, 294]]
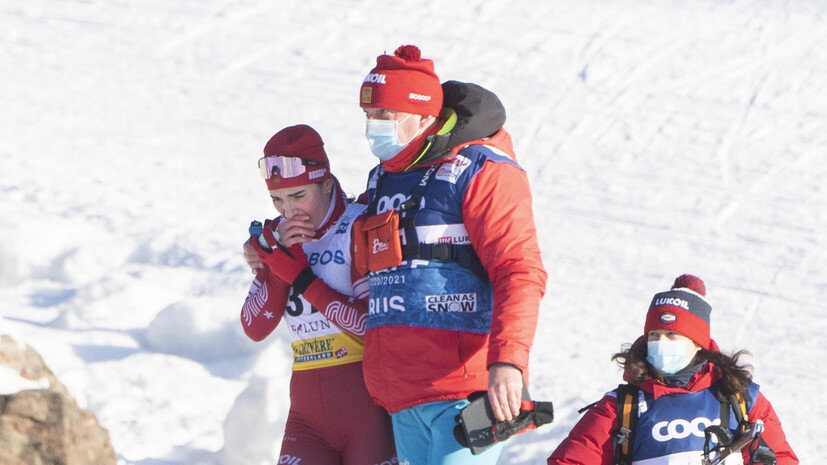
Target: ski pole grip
[[255, 228]]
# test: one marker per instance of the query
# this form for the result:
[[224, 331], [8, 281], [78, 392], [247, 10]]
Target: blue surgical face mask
[[669, 357], [383, 137]]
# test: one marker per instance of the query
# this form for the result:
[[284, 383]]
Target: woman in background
[[680, 376]]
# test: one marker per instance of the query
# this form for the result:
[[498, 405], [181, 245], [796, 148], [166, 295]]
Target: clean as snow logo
[[668, 318], [463, 303], [680, 428]]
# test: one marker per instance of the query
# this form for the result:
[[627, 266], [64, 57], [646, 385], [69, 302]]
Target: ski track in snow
[[659, 138]]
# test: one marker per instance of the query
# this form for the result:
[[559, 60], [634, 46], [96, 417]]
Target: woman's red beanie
[[303, 142]]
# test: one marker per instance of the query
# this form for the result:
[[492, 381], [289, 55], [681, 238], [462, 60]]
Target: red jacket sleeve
[[590, 441], [773, 434], [264, 305], [498, 217]]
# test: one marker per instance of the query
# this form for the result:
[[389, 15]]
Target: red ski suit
[[332, 420]]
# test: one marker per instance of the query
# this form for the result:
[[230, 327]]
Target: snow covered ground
[[661, 137]]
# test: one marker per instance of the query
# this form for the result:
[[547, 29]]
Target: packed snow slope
[[660, 137]]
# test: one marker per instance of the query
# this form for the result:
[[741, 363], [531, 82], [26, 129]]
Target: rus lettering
[[385, 304]]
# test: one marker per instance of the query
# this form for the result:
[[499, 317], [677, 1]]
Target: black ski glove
[[478, 430]]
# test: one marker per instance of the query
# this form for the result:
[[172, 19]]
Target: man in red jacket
[[456, 275]]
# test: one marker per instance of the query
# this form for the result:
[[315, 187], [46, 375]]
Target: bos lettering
[[323, 258]]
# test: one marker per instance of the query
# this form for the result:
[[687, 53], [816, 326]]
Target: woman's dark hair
[[735, 378]]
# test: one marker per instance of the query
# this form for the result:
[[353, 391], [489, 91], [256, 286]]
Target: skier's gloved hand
[[251, 256], [289, 265], [268, 236]]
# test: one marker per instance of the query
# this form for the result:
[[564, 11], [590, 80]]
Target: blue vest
[[440, 294], [672, 426]]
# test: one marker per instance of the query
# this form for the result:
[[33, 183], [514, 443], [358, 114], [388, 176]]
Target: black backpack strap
[[374, 202], [407, 215], [733, 403], [627, 416], [724, 415], [463, 254]]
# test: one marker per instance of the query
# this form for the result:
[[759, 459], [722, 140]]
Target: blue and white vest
[[670, 429], [426, 293]]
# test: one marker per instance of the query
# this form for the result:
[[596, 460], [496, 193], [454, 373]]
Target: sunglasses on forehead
[[285, 167]]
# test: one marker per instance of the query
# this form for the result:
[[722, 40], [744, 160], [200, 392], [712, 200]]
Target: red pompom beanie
[[403, 82], [303, 142], [683, 310]]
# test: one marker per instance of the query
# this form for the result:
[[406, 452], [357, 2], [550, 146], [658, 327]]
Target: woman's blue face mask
[[670, 356], [383, 137]]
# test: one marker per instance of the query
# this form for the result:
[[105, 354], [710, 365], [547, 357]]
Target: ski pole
[[727, 445]]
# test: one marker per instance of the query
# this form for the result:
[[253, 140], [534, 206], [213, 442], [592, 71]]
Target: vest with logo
[[316, 341], [670, 429], [449, 294]]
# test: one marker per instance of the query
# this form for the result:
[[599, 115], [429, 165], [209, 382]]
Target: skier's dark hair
[[735, 378]]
